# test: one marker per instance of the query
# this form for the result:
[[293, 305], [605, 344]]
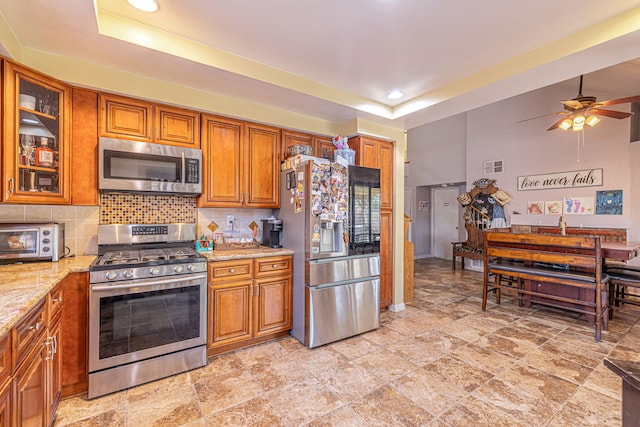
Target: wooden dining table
[[620, 251]]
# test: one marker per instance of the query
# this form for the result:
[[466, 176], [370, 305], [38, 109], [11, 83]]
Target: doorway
[[446, 221]]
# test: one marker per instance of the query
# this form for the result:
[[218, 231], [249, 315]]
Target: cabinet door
[[36, 133], [386, 175], [54, 368], [273, 305], [5, 405], [369, 153], [262, 166], [230, 315], [291, 138], [323, 147], [176, 126], [75, 324], [386, 258], [126, 118], [222, 162], [30, 389]]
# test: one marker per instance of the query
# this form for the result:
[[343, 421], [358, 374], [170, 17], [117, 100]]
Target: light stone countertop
[[22, 286], [260, 252]]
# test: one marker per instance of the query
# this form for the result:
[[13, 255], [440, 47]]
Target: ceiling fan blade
[[619, 101], [539, 117], [572, 103], [556, 125], [610, 113]]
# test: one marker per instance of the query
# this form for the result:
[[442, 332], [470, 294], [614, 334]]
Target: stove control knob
[[154, 271], [128, 274], [110, 275], [191, 267], [178, 269]]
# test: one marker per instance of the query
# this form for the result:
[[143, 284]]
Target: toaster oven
[[31, 242]]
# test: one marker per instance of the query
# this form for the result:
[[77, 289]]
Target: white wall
[[527, 148], [455, 148]]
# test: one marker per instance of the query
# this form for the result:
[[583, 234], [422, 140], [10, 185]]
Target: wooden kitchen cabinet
[[5, 404], [74, 343], [376, 153], [84, 148], [241, 165], [36, 138], [249, 302], [321, 146], [5, 381], [30, 350], [128, 118], [36, 383]]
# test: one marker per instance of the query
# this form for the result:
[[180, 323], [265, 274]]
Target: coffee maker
[[271, 232]]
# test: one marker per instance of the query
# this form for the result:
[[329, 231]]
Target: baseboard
[[422, 256], [397, 307]]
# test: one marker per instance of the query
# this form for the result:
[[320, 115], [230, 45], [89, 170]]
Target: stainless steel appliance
[[31, 242], [335, 294], [139, 166], [147, 305], [271, 232]]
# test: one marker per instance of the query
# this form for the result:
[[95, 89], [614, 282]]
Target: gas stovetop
[[129, 252]]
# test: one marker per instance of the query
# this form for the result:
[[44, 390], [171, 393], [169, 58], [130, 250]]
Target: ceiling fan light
[[565, 124], [592, 120]]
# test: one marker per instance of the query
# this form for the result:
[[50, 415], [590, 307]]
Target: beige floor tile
[[589, 408], [256, 412], [385, 365], [388, 407], [348, 380], [79, 408], [302, 402], [355, 347], [484, 358], [223, 391], [416, 351], [605, 381], [539, 384], [463, 375], [383, 336], [477, 413], [558, 366], [342, 417], [278, 372], [111, 418]]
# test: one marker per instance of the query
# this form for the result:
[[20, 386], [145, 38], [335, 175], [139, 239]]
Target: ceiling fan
[[584, 110]]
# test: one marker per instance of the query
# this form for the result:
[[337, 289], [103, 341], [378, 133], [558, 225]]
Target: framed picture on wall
[[609, 202]]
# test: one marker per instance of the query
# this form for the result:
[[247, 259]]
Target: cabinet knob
[[274, 266], [57, 300], [232, 270], [36, 327]]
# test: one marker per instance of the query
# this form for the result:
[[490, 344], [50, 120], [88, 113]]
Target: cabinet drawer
[[55, 303], [5, 358], [28, 331], [273, 265], [231, 270]]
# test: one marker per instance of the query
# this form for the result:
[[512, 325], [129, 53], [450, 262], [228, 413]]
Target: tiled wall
[[129, 208], [81, 223]]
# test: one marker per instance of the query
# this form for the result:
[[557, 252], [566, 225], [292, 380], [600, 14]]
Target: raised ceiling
[[338, 59]]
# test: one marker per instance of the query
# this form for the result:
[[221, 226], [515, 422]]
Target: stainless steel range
[[147, 305]]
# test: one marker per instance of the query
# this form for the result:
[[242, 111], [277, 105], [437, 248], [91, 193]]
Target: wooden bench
[[606, 234], [573, 263]]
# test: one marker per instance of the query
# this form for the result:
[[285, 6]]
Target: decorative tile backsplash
[[130, 208]]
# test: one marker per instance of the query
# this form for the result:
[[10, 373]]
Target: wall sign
[[583, 178]]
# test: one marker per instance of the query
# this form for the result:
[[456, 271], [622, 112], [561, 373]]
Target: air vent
[[493, 166]]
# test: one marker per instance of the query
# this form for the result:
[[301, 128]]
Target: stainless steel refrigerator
[[331, 219]]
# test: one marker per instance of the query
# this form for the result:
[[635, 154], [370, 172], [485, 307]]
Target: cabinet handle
[[10, 186], [57, 300], [232, 270], [55, 344], [37, 327], [49, 344]]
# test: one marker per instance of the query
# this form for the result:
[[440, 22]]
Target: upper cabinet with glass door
[[36, 138]]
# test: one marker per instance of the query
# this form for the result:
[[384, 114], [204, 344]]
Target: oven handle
[[147, 282]]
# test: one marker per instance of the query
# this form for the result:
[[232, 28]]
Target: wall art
[[609, 202]]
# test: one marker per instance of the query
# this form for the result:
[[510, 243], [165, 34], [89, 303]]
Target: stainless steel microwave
[[144, 167], [31, 242]]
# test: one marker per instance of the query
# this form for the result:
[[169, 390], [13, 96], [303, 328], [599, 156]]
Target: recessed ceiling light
[[144, 5], [395, 94]]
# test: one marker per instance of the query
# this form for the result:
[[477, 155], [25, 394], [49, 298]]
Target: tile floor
[[440, 362]]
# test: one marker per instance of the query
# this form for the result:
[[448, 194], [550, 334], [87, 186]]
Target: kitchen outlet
[[230, 220]]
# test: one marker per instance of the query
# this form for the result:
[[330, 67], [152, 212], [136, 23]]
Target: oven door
[[138, 319]]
